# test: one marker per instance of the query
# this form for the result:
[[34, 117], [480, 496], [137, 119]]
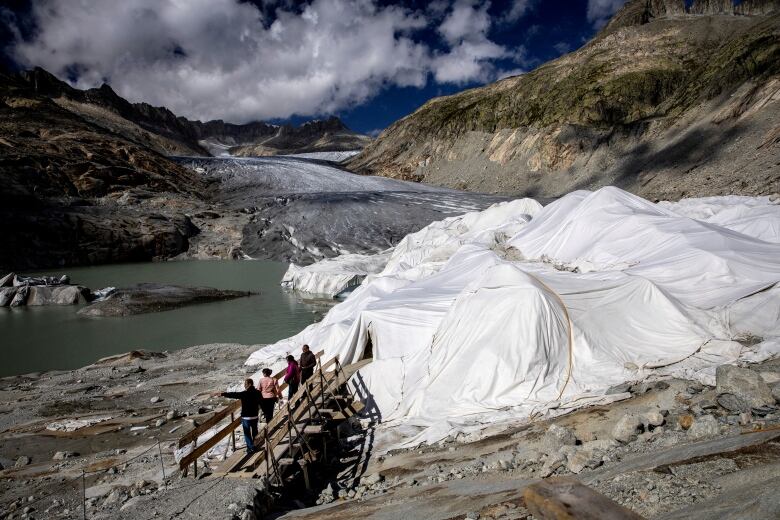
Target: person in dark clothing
[[250, 404], [308, 362], [292, 377], [269, 389]]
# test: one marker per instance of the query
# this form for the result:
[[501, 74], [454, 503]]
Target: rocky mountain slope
[[666, 101], [169, 134], [330, 135], [73, 192]]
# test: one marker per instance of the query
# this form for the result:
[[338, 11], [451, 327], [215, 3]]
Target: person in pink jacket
[[270, 394]]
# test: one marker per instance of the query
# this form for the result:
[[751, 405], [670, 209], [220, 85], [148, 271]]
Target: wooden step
[[286, 461], [313, 429]]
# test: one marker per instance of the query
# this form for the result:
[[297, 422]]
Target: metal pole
[[162, 465], [84, 493]]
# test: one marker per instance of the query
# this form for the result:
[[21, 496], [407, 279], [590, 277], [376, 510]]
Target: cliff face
[[664, 101]]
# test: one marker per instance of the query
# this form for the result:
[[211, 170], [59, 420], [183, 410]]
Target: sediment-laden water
[[44, 338]]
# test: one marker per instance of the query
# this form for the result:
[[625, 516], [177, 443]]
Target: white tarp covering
[[333, 276], [519, 310]]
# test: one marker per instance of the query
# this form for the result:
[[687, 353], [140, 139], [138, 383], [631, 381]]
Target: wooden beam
[[563, 498], [208, 424], [208, 444]]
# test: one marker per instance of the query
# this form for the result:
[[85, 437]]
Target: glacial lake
[[56, 337]]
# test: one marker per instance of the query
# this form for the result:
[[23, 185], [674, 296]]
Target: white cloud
[[470, 52], [218, 58], [226, 59], [600, 11], [518, 9], [562, 47]]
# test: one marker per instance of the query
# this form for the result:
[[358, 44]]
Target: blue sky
[[369, 62]]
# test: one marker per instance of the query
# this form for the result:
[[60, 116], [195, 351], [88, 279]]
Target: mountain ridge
[[170, 134]]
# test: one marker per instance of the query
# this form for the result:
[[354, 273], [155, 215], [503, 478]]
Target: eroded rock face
[[153, 297]]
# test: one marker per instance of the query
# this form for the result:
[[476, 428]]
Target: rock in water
[[7, 296], [154, 297], [57, 295], [20, 298], [7, 280], [745, 384]]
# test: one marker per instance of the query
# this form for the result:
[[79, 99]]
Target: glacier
[[522, 311]]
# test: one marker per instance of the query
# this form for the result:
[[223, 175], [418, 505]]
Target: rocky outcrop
[[17, 290], [662, 102], [153, 297]]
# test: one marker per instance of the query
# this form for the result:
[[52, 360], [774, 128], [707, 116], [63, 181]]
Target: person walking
[[250, 404], [269, 390], [307, 362], [292, 377]]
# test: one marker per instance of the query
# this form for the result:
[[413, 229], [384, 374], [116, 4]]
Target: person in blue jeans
[[250, 407]]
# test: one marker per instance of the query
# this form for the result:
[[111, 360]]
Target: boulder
[[20, 298], [556, 437], [652, 418], [583, 458], [744, 384], [372, 479], [7, 295], [685, 421], [22, 461], [776, 391], [626, 428], [7, 280], [62, 455], [704, 426], [733, 403], [57, 295]]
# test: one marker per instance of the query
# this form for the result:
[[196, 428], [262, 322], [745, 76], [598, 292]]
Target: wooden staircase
[[295, 435]]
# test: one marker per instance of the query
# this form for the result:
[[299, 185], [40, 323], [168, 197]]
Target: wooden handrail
[[277, 434], [215, 419], [209, 443], [210, 422]]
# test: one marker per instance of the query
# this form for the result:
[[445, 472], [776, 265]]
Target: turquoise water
[[45, 338]]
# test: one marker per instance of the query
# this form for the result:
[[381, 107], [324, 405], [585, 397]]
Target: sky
[[368, 62]]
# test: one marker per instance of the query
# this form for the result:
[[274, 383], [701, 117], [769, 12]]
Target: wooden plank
[[210, 443], [208, 424], [312, 429], [563, 498]]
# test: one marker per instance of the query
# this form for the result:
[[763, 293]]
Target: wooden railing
[[235, 421]]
